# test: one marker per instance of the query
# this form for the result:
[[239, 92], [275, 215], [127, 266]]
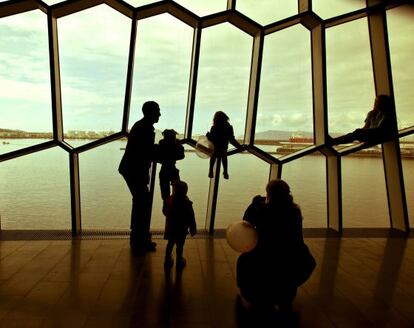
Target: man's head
[[151, 111]]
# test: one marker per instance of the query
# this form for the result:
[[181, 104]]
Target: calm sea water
[[35, 194]]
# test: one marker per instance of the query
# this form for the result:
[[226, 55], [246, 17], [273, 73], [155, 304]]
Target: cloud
[[94, 56], [288, 121]]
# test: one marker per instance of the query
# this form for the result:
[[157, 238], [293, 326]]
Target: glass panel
[[138, 3], [161, 71], [407, 156], [105, 198], [284, 116], [25, 102], [35, 192], [93, 55], [223, 78], [198, 186], [307, 180], [248, 178], [267, 11], [400, 22], [351, 90], [329, 8], [203, 7], [364, 196], [52, 2]]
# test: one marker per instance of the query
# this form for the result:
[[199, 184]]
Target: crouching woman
[[270, 274]]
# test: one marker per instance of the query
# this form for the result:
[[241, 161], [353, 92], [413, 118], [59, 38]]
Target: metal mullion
[[334, 192], [275, 171], [192, 85], [130, 73], [75, 193], [320, 114], [254, 87], [397, 203], [212, 198], [56, 90]]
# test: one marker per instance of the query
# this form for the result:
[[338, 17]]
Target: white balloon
[[241, 236], [204, 148]]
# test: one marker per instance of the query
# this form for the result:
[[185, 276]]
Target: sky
[[93, 50]]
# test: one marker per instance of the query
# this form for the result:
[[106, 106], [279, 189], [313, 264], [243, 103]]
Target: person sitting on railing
[[380, 125]]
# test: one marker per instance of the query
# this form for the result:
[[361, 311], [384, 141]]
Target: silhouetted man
[[135, 165]]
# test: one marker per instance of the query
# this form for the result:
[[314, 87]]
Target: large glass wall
[[225, 55], [161, 69], [34, 191], [400, 22], [350, 83], [25, 106], [202, 7], [105, 198], [328, 8], [223, 77], [267, 11], [363, 191], [193, 66], [284, 117], [93, 51], [236, 193], [308, 171]]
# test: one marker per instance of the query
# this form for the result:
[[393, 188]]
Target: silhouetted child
[[170, 151], [179, 221], [254, 210], [221, 133], [380, 125]]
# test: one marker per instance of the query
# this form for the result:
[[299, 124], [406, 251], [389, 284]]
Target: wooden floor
[[358, 282]]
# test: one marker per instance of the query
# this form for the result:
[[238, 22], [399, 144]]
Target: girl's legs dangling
[[212, 162], [225, 166]]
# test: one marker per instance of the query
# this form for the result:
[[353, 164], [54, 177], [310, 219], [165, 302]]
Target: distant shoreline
[[283, 149]]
